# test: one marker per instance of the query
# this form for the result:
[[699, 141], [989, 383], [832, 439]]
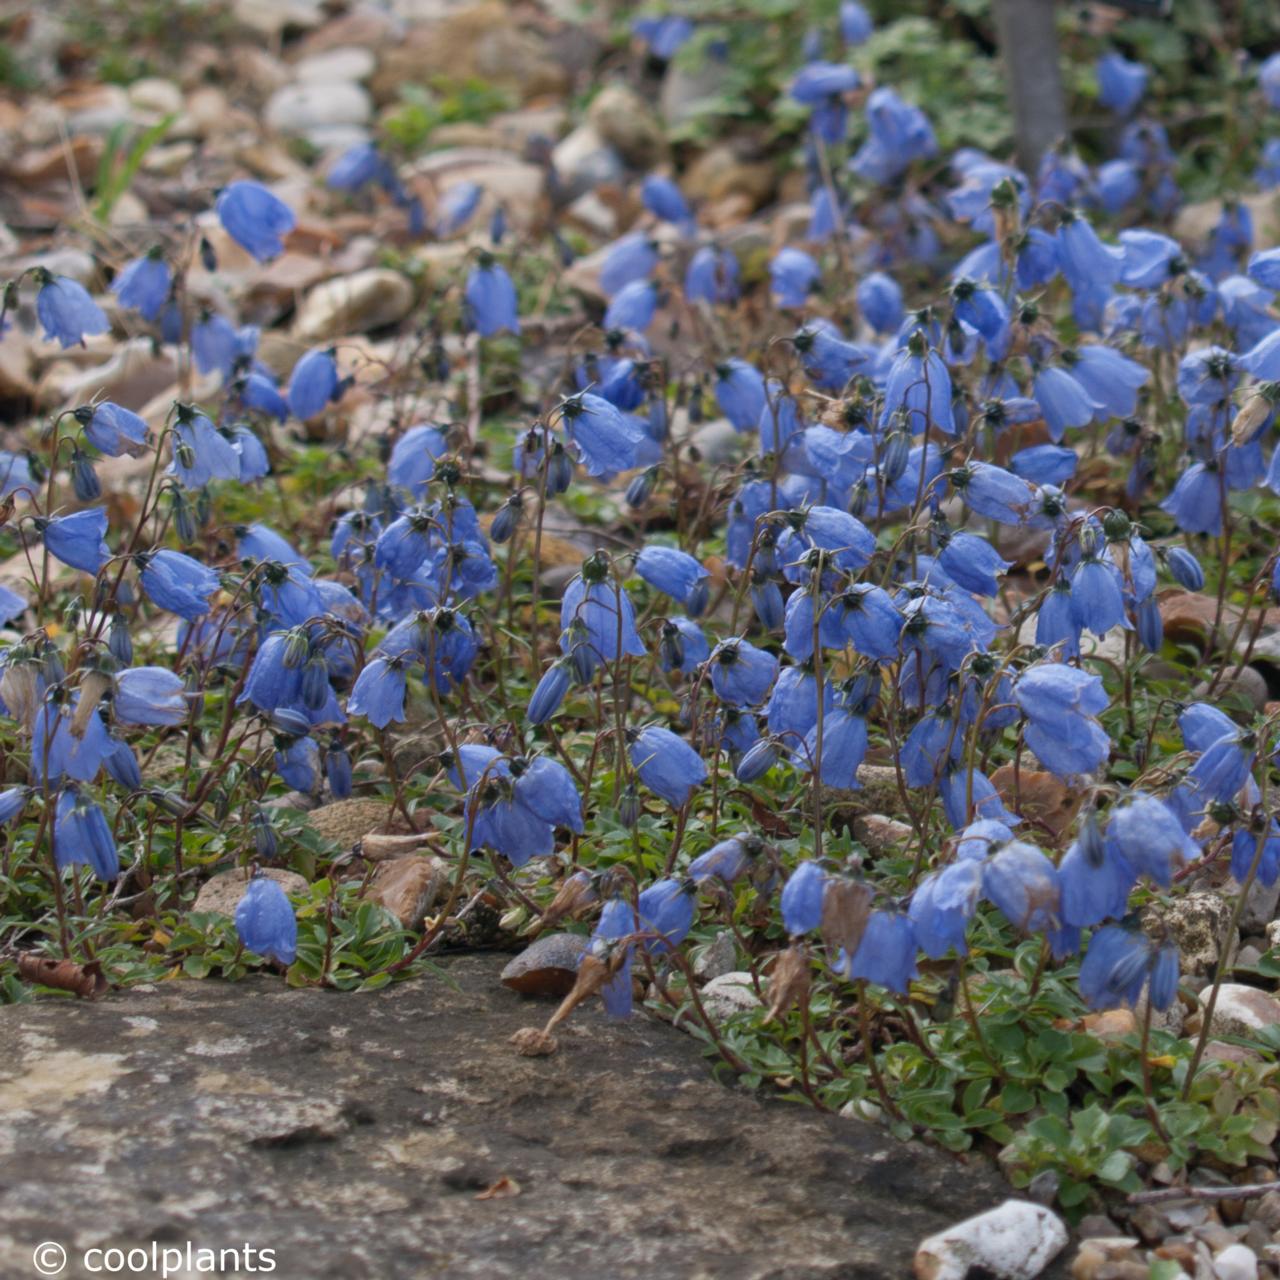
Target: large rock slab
[[354, 1135]]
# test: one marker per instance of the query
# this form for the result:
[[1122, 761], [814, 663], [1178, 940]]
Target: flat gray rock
[[352, 1134]]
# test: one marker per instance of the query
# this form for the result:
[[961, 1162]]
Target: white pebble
[[1236, 1262], [1015, 1242]]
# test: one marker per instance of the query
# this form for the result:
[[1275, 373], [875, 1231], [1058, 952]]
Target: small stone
[[209, 112], [304, 108], [168, 161], [1096, 1225], [1259, 905], [158, 96], [76, 264], [346, 821], [1110, 1024], [1015, 1241], [1186, 1217], [1108, 1258], [347, 65], [1236, 1262], [626, 122], [1038, 795], [593, 215], [717, 441], [728, 994], [1257, 1237], [722, 172], [356, 303], [481, 42], [533, 1042], [1152, 1225], [1043, 1188], [223, 892], [547, 967], [1215, 1235], [36, 167], [717, 958], [272, 19], [1197, 923], [1241, 694], [408, 887], [275, 1120], [584, 161], [1242, 1010], [98, 110], [880, 834], [1267, 1210]]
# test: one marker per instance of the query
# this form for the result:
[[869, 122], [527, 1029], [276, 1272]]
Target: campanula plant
[[839, 592]]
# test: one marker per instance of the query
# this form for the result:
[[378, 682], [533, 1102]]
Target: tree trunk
[[1029, 50]]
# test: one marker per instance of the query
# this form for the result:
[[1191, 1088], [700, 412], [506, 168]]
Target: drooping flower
[[378, 693], [143, 285], [667, 764], [177, 582], [1025, 886], [742, 674], [151, 696], [255, 219], [266, 922], [802, 898], [77, 539], [1146, 833], [887, 953], [67, 311], [313, 384], [675, 573], [490, 295], [82, 835], [1121, 83], [942, 906]]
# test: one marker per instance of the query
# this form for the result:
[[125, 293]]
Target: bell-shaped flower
[[545, 787], [666, 764], [255, 219], [67, 311], [266, 922], [490, 295], [1146, 833], [143, 285], [1121, 83], [176, 582], [1095, 877], [741, 674], [675, 573], [82, 835], [150, 696], [607, 440], [887, 953], [666, 908], [77, 539], [741, 394], [379, 691], [802, 898], [712, 276], [313, 384], [1024, 885], [942, 906]]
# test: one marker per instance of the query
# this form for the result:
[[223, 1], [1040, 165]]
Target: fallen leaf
[[500, 1190]]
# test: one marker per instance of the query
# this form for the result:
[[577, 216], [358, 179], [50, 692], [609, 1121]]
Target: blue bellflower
[[255, 219], [265, 921]]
